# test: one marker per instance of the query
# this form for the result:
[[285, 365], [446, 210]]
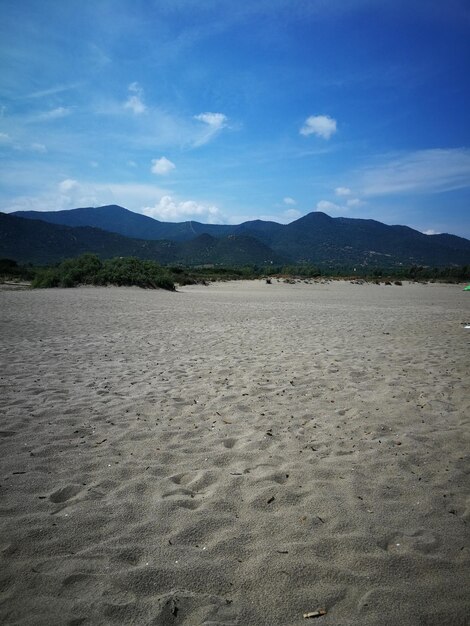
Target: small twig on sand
[[318, 613]]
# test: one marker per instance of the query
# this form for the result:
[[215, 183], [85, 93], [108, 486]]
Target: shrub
[[46, 278], [89, 270]]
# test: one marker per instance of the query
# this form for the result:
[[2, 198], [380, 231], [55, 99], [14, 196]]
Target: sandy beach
[[237, 454]]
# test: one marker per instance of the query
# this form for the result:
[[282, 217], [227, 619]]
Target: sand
[[241, 454]]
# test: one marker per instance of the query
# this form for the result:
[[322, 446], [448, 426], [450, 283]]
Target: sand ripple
[[235, 454]]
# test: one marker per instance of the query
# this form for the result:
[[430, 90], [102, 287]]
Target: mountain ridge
[[39, 242], [315, 238]]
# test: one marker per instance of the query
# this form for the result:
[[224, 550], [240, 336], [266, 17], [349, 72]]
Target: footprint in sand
[[187, 608], [184, 498], [229, 443], [65, 493], [280, 479], [78, 584], [199, 479], [415, 541], [182, 479], [130, 556]]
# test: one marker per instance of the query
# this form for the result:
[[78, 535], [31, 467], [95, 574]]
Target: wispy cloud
[[52, 91], [133, 196], [53, 114], [320, 125], [38, 147], [329, 207], [68, 185], [346, 199], [154, 126], [168, 209], [162, 166], [214, 123], [289, 200], [217, 121], [354, 202], [291, 215], [70, 193], [97, 56], [135, 101], [423, 171], [7, 142]]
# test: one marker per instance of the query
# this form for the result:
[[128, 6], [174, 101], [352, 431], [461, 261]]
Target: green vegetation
[[333, 245], [193, 275], [420, 273], [10, 270], [89, 269]]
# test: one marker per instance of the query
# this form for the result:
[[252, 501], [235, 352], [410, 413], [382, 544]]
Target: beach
[[235, 454]]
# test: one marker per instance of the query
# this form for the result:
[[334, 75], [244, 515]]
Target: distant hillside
[[38, 242], [116, 219], [232, 250], [318, 238], [42, 243], [315, 238]]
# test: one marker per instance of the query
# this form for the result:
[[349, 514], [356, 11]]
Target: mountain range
[[49, 236]]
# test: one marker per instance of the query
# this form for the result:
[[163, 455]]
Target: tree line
[[89, 269]]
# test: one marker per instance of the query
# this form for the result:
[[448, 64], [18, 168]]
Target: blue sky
[[223, 111]]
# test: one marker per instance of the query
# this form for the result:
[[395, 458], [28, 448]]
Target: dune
[[238, 454]]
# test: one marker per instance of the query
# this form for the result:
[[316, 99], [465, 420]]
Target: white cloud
[[169, 209], [431, 231], [289, 201], [353, 202], [162, 166], [291, 214], [133, 196], [320, 125], [53, 114], [73, 193], [135, 101], [332, 207], [135, 104], [52, 90], [329, 207], [423, 171], [38, 147], [68, 185], [214, 122], [70, 194], [343, 191], [162, 128], [6, 140]]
